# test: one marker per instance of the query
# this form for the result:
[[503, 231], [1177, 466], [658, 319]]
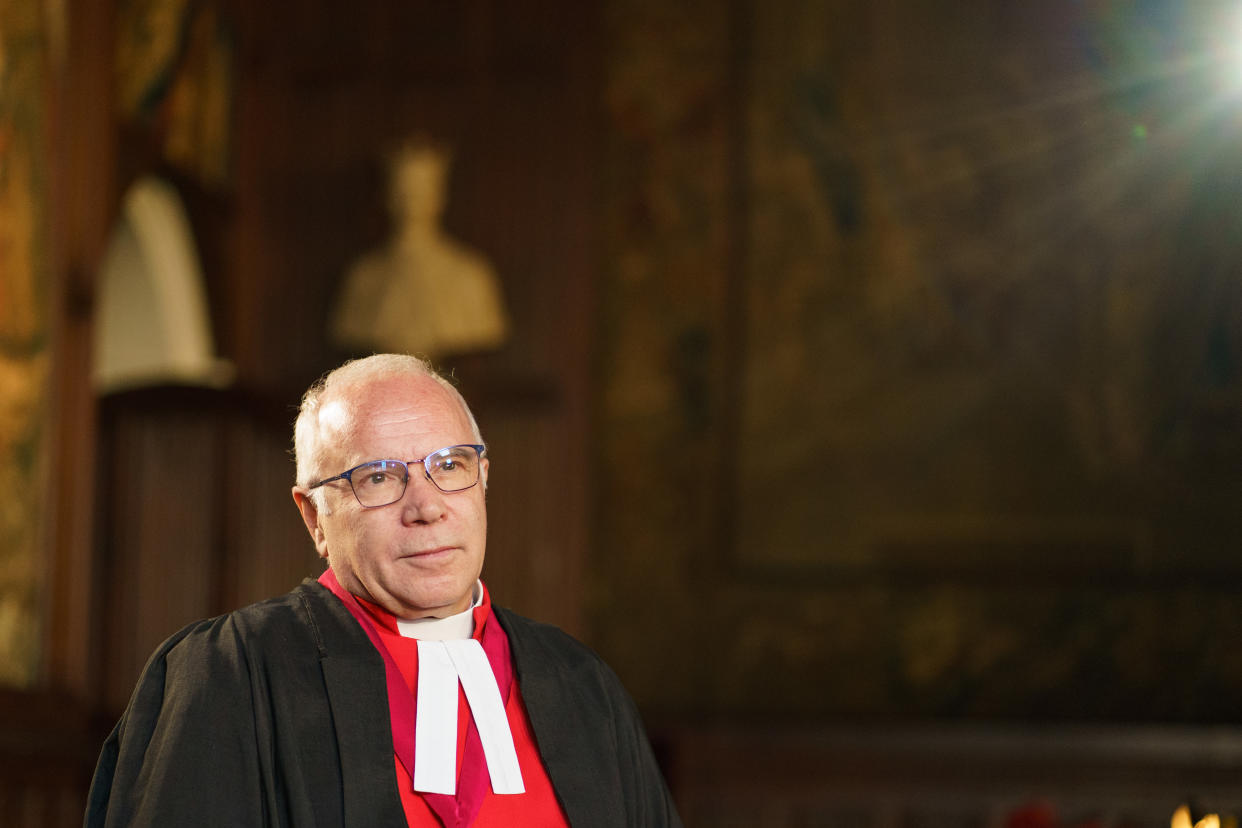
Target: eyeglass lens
[[383, 481]]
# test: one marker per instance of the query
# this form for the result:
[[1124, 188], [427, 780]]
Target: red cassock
[[474, 804]]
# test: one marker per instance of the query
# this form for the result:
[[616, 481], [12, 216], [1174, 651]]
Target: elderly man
[[391, 691]]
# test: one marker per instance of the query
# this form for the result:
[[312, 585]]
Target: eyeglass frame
[[347, 475]]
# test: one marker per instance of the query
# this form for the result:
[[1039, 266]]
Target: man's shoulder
[[304, 614], [542, 645], [294, 607], [528, 629]]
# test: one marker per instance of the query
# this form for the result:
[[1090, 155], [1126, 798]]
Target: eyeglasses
[[381, 482]]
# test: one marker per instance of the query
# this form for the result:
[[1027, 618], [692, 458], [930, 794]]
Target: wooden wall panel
[[159, 493], [46, 757], [196, 519], [954, 776], [268, 550]]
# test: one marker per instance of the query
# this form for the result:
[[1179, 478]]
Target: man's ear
[[483, 466], [310, 516]]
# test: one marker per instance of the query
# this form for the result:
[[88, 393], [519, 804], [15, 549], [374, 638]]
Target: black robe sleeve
[[184, 751], [237, 720]]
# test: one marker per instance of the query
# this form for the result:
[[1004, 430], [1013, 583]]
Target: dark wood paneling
[[952, 776], [48, 746], [196, 518], [86, 200]]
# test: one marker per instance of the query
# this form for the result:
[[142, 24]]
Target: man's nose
[[422, 502]]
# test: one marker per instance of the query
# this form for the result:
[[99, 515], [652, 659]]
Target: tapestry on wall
[[937, 314], [24, 336], [994, 337]]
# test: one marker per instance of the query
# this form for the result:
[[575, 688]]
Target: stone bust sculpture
[[423, 292]]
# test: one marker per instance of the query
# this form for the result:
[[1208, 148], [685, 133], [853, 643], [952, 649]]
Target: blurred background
[[869, 389]]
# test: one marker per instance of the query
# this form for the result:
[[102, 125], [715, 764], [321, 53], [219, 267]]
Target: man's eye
[[448, 464], [381, 476]]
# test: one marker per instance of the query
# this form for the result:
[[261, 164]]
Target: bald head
[[326, 415]]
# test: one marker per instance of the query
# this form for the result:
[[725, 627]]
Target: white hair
[[308, 447]]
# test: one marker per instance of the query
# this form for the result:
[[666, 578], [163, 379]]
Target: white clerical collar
[[453, 628], [448, 655]]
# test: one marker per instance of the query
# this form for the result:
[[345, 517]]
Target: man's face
[[418, 557]]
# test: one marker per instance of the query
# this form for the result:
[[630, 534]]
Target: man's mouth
[[439, 551]]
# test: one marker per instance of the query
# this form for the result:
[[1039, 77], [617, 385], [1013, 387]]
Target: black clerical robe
[[277, 715]]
